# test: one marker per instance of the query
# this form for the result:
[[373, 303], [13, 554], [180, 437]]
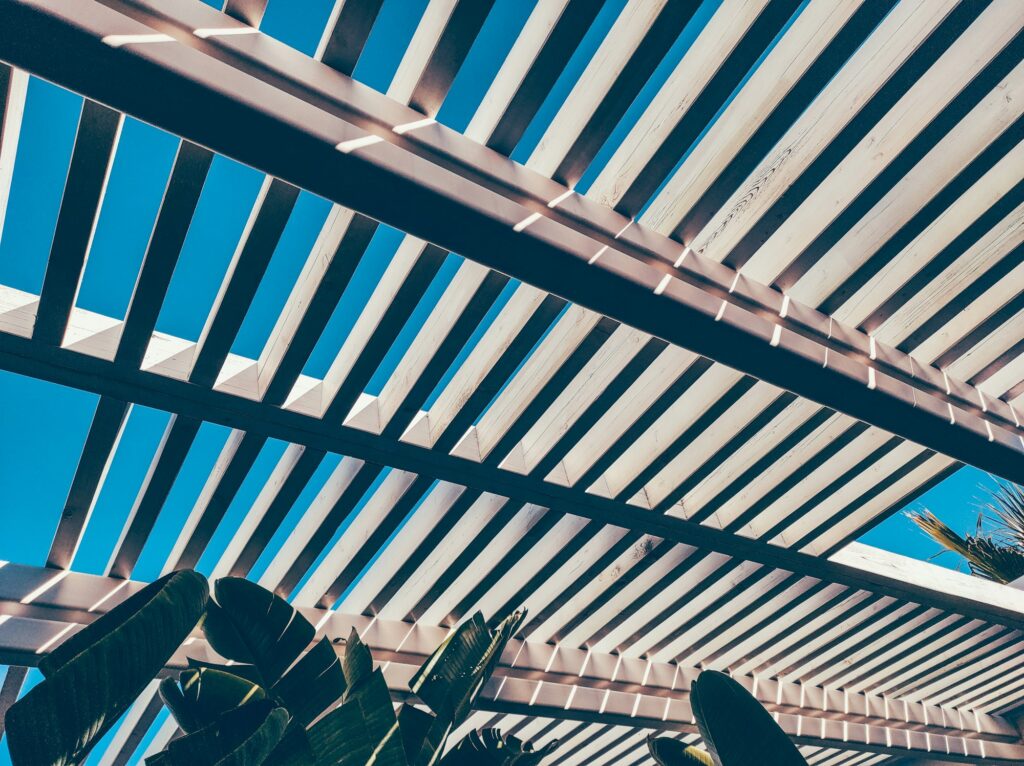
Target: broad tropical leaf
[[248, 672], [250, 624], [453, 675], [243, 736], [368, 699], [339, 737], [418, 733], [364, 729], [306, 691], [262, 632], [351, 734], [488, 747], [200, 696], [671, 752], [312, 685], [367, 689], [94, 676], [737, 730]]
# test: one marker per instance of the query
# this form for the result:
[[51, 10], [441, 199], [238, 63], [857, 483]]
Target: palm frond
[[1006, 509], [989, 558]]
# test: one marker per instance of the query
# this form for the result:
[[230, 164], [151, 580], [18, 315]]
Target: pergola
[[658, 412]]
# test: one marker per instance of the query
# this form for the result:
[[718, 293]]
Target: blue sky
[[46, 424]]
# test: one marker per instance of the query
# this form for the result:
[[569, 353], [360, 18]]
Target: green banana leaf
[[365, 729], [359, 730], [367, 689], [248, 672], [267, 639], [200, 696], [451, 678], [249, 624], [243, 736], [254, 627], [313, 685], [737, 730], [418, 733], [306, 691], [92, 678], [338, 738], [368, 695], [671, 752], [489, 747], [450, 681]]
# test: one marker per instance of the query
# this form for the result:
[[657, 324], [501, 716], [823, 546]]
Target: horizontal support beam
[[355, 149], [972, 597], [540, 679]]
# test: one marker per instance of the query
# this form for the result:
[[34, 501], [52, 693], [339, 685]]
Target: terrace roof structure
[[695, 295]]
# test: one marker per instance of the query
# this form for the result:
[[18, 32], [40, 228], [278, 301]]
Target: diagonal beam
[[248, 265], [25, 356], [466, 199], [178, 437], [442, 40], [181, 197], [13, 89], [97, 455], [347, 31], [13, 681], [98, 130], [534, 678], [233, 464], [247, 11]]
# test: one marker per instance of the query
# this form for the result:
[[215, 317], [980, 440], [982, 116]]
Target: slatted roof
[[698, 294]]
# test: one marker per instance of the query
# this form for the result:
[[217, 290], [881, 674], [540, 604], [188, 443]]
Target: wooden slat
[[821, 38], [13, 89], [725, 49], [547, 41], [188, 174], [433, 57], [14, 679], [93, 155], [97, 454], [361, 527], [640, 37], [892, 43], [262, 232], [346, 33], [275, 500], [336, 497], [225, 479], [325, 275], [423, 523], [921, 107], [248, 11], [178, 437]]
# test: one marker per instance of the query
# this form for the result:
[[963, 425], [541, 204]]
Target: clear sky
[[45, 424]]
